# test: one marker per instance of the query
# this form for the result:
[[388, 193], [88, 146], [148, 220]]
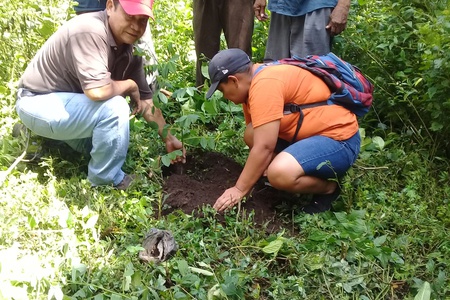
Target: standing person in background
[[302, 27], [145, 43], [85, 6], [74, 89], [234, 17]]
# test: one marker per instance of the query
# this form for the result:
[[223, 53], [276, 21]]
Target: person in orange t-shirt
[[313, 161]]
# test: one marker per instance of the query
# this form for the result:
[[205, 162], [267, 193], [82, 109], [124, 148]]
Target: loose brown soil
[[205, 176]]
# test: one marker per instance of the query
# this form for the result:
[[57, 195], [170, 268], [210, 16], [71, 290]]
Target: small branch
[[5, 174], [166, 92], [372, 168], [327, 285]]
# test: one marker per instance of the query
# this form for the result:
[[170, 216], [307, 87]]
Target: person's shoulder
[[273, 70], [95, 23]]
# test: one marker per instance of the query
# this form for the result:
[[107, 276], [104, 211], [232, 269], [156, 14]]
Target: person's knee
[[278, 178], [284, 171], [117, 107]]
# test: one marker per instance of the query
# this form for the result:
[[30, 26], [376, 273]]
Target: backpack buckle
[[290, 108]]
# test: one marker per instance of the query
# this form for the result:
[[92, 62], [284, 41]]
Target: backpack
[[349, 87]]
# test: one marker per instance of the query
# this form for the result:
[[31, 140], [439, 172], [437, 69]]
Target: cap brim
[[212, 89], [134, 9]]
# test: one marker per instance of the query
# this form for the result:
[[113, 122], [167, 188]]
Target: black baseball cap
[[226, 62]]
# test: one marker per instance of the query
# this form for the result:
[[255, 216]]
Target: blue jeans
[[100, 128], [324, 157]]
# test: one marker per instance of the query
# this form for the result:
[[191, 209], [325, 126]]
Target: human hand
[[135, 99], [259, 7], [229, 198], [172, 144], [137, 106], [338, 20]]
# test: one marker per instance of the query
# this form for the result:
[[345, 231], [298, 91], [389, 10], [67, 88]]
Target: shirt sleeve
[[90, 59], [266, 101]]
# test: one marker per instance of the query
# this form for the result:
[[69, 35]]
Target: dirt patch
[[206, 175]]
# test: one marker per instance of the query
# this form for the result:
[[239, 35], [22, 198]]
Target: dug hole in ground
[[206, 175]]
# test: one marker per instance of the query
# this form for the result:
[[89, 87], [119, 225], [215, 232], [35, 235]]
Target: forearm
[[344, 4], [257, 162], [114, 88], [152, 114]]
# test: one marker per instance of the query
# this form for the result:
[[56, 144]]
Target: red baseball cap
[[138, 7]]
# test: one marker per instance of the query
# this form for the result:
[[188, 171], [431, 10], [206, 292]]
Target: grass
[[386, 240], [61, 239]]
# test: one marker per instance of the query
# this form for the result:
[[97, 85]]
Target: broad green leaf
[[357, 214], [209, 107], [203, 142], [139, 125], [187, 120], [424, 292], [183, 267], [223, 255], [99, 297], [165, 159], [31, 221], [365, 142], [201, 271], [189, 279], [180, 94], [318, 236], [273, 247], [379, 142], [190, 91], [205, 72], [55, 292], [136, 279], [129, 269], [165, 131], [153, 125], [162, 98], [204, 265], [180, 295], [211, 143], [48, 27], [78, 270], [362, 133], [91, 222], [3, 90], [126, 283], [397, 259], [372, 252], [341, 217], [436, 126], [214, 292]]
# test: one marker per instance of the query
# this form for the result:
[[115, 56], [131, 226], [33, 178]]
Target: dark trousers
[[234, 17]]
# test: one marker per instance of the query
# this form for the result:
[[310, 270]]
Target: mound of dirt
[[206, 175]]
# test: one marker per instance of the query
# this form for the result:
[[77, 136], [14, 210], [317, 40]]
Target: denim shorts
[[324, 157]]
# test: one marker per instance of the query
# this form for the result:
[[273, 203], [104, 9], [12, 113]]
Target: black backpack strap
[[309, 66], [294, 108]]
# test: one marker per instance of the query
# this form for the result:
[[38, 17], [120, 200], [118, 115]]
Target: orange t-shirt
[[274, 86]]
